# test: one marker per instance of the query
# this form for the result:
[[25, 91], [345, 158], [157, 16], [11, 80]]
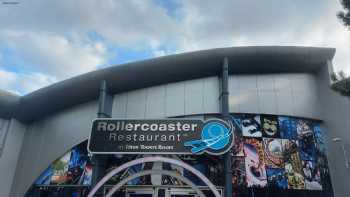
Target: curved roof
[[167, 69]]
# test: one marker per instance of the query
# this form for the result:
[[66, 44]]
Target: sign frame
[[225, 149]]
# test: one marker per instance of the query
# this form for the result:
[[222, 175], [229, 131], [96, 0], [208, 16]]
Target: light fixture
[[337, 139]]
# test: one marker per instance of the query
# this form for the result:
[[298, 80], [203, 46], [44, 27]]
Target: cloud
[[130, 23], [21, 83], [61, 39], [54, 37], [209, 24], [53, 54]]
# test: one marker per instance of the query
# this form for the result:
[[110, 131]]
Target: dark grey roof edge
[[167, 69], [8, 104]]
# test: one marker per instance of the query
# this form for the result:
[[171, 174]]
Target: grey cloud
[[144, 25]]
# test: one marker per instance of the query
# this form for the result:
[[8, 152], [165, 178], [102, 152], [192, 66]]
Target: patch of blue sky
[[121, 55], [10, 61], [172, 7], [95, 36]]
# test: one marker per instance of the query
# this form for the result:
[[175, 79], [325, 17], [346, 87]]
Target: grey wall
[[280, 94], [51, 137], [283, 94], [48, 139], [12, 135], [175, 99], [335, 110]]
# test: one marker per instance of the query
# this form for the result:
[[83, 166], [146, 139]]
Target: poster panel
[[312, 175], [238, 172], [276, 178], [273, 152], [237, 147], [60, 170], [270, 126], [287, 127], [292, 165], [251, 125], [254, 163]]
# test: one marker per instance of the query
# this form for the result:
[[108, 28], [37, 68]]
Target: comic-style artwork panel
[[273, 153], [45, 177], [287, 127], [238, 172], [73, 168], [254, 163], [270, 126], [80, 167], [294, 177], [312, 175], [251, 125], [276, 178], [60, 170], [304, 128], [320, 141], [211, 167], [237, 148], [292, 165], [307, 147]]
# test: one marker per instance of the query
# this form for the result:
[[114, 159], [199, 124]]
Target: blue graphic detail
[[215, 135]]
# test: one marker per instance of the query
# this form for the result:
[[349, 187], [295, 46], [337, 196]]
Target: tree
[[345, 14]]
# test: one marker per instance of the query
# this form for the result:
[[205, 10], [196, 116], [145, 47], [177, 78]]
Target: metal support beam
[[226, 116], [104, 111]]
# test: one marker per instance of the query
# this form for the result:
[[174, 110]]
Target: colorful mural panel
[[270, 153], [251, 125], [273, 152], [276, 178], [270, 126], [287, 127], [254, 163], [293, 153]]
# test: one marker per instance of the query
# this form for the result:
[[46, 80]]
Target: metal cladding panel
[[136, 104], [194, 96], [29, 159], [155, 106], [175, 99], [267, 101], [50, 138], [284, 94], [265, 82], [119, 105], [335, 111], [10, 154], [284, 101], [211, 95], [305, 98]]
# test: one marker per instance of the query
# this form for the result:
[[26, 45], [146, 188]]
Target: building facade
[[293, 137]]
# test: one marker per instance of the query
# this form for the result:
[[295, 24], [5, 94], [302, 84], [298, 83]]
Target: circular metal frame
[[161, 172], [154, 159]]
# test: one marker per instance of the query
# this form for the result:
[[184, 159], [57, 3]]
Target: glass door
[[180, 192], [144, 192]]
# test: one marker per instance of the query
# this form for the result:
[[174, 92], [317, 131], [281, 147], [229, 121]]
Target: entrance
[[160, 191], [180, 163], [140, 192]]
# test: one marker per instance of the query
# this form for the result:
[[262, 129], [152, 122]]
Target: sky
[[43, 42]]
